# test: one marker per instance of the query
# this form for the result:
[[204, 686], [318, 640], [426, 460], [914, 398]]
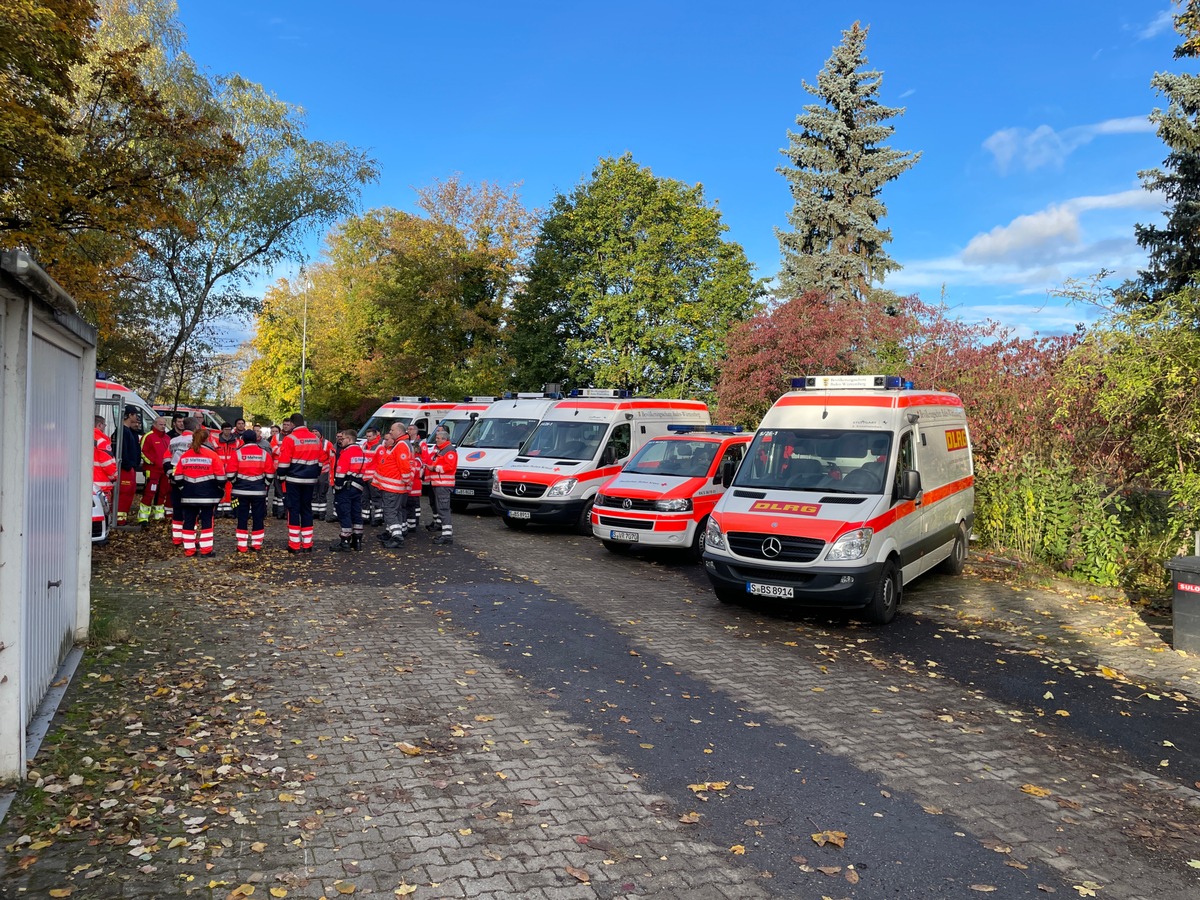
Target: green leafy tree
[[1174, 247], [632, 285], [838, 167]]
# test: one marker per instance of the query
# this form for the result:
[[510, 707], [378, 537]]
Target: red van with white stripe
[[662, 497], [853, 486], [581, 442]]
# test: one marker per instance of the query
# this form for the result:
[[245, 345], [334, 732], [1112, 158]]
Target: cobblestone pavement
[[348, 730]]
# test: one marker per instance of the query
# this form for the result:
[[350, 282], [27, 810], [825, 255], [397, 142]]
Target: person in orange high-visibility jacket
[[179, 445], [99, 438], [347, 482], [200, 475], [226, 445], [441, 468], [393, 478], [104, 472], [251, 469], [278, 433], [418, 480], [321, 488], [156, 450], [372, 505], [299, 466]]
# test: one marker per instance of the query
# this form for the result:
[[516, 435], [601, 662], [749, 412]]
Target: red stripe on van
[[549, 478]]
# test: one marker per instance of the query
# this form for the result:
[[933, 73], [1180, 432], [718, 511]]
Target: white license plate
[[519, 514], [465, 492], [770, 590], [630, 536]]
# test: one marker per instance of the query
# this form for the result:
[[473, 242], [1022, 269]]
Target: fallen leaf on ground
[[579, 874], [837, 838], [1035, 790]]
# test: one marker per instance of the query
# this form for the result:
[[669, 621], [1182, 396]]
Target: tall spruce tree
[[1174, 248], [838, 168]]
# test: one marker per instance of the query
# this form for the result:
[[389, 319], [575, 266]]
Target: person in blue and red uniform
[[251, 469], [299, 467], [200, 475], [131, 462], [347, 477]]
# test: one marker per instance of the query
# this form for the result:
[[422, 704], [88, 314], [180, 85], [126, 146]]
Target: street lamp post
[[304, 346]]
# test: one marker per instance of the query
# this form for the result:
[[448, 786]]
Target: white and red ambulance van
[[580, 443], [420, 411], [494, 442], [853, 486], [662, 497], [460, 417]]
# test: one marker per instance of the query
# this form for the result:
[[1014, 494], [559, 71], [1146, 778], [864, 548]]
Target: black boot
[[356, 542], [444, 539], [340, 546]]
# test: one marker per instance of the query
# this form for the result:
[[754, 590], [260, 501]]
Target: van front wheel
[[584, 525], [886, 599]]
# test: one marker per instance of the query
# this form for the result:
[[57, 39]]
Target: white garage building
[[47, 372]]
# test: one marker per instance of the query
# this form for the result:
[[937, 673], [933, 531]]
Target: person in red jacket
[[200, 475], [299, 466], [372, 505], [418, 479], [321, 488], [347, 478], [156, 451], [227, 444], [104, 472], [99, 438], [393, 478], [251, 469], [442, 465]]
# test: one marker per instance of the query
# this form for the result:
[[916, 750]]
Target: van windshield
[[833, 461], [684, 458], [499, 434], [566, 440], [383, 424]]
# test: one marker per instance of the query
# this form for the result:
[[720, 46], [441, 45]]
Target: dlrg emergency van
[[662, 497], [582, 441], [853, 486], [494, 442]]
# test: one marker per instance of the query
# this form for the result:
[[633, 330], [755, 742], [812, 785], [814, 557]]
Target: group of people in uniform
[[194, 474]]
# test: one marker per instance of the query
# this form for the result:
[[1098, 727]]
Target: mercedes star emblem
[[521, 488], [465, 473], [772, 547]]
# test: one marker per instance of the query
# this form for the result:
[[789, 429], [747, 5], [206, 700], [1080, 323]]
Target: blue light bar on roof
[[850, 382], [602, 393], [702, 429]]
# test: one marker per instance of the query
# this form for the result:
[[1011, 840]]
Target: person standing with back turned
[[299, 468]]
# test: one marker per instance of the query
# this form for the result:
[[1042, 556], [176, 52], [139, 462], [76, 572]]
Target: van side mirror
[[910, 485], [728, 468]]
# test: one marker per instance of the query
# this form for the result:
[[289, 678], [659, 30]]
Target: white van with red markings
[[420, 411], [853, 486], [494, 441], [460, 417], [662, 497], [580, 443]]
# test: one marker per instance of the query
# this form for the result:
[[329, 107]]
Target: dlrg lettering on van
[[853, 486]]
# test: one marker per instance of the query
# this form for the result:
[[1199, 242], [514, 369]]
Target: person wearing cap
[[131, 462], [156, 449], [443, 463]]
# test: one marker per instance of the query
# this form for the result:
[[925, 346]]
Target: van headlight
[[713, 535], [679, 504], [563, 488], [495, 481], [851, 545]]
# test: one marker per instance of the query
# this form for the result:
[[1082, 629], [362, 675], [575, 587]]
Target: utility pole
[[304, 341]]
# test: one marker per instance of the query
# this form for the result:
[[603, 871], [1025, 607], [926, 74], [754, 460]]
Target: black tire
[[584, 525], [728, 594], [886, 599], [953, 564], [696, 551], [515, 524], [617, 547], [458, 506]]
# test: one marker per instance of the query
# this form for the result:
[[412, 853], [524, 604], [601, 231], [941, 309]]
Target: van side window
[[904, 459], [618, 444], [732, 457]]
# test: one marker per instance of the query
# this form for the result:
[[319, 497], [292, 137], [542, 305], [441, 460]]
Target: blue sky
[[1031, 117]]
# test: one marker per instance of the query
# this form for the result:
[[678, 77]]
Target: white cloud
[[1164, 21], [1043, 146], [1039, 251]]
